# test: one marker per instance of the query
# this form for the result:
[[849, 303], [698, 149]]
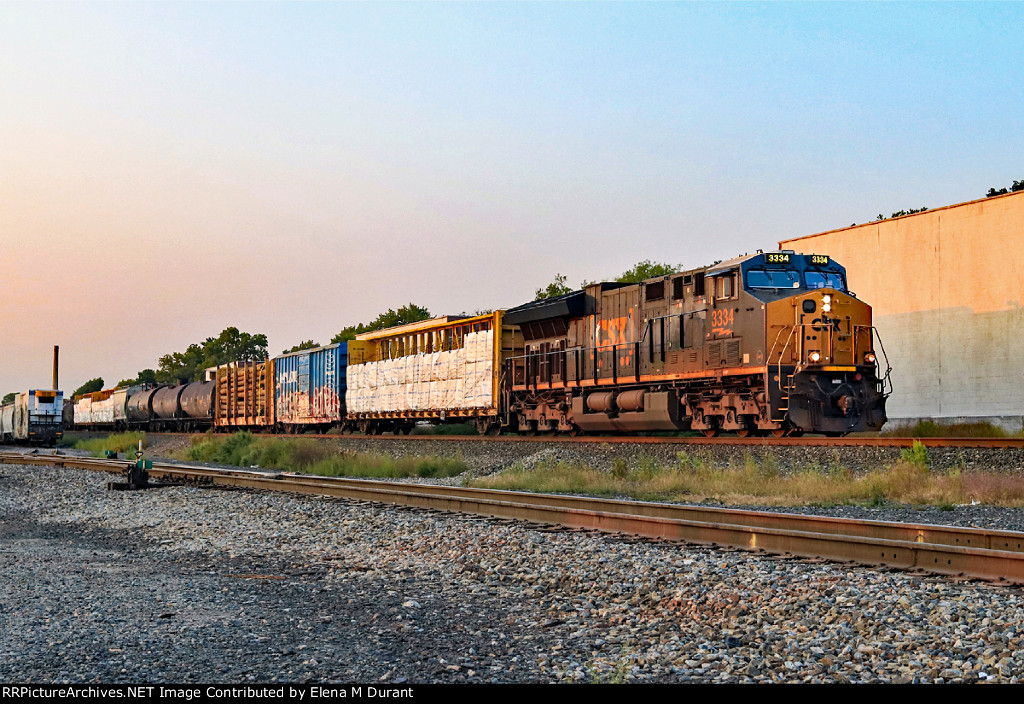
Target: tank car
[[141, 407], [765, 343]]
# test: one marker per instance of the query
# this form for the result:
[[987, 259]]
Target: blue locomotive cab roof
[[773, 275]]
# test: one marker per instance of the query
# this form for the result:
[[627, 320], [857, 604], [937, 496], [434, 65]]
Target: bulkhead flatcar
[[439, 370]]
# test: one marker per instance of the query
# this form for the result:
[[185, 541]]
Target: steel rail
[[898, 442], [950, 550]]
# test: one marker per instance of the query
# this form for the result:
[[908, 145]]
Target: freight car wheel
[[780, 432], [710, 432]]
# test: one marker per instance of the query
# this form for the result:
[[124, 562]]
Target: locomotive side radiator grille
[[732, 353]]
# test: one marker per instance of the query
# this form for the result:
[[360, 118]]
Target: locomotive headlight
[[814, 356], [869, 358], [826, 303]]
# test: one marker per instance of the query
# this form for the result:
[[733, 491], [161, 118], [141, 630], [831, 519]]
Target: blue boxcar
[[309, 387]]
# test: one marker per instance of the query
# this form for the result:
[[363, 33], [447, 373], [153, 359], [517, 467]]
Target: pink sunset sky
[[168, 170]]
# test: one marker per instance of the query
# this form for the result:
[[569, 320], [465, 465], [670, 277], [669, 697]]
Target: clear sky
[[168, 170]]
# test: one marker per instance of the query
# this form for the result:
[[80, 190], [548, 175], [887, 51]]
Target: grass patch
[[309, 456], [695, 477], [119, 442]]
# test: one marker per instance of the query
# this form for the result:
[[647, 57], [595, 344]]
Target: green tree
[[230, 346], [89, 387], [180, 366], [900, 213], [9, 398], [641, 271], [554, 289], [234, 346], [1016, 186], [304, 345], [146, 376], [410, 313], [647, 270]]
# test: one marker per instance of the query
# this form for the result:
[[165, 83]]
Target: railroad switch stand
[[137, 473]]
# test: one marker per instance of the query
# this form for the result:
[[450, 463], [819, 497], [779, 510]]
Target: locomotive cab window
[[825, 279], [773, 278], [725, 286]]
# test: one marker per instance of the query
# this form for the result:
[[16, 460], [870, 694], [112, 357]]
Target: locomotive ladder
[[785, 389]]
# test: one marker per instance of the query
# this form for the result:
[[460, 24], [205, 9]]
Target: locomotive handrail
[[581, 367], [778, 366], [885, 380]]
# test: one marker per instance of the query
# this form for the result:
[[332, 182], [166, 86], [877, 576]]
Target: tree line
[[233, 345]]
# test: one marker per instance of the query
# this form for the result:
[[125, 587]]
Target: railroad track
[[994, 443], [948, 550]]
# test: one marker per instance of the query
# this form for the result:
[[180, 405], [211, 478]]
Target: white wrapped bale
[[458, 393], [478, 385], [445, 395], [445, 365], [485, 346], [472, 347], [458, 364]]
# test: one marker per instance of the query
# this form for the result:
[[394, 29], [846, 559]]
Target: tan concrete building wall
[[947, 290]]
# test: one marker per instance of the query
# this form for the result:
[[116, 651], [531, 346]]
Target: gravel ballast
[[184, 584]]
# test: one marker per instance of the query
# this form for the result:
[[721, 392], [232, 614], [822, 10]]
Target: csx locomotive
[[766, 343]]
